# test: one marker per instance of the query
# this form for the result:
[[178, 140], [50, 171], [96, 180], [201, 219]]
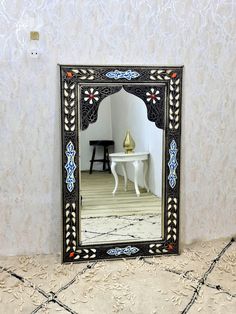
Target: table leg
[[145, 170], [113, 170], [125, 175], [136, 168]]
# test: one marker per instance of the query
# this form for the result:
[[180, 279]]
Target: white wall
[[100, 130], [129, 112], [114, 32]]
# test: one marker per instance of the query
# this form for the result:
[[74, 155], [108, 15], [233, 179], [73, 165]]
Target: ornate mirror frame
[[78, 81]]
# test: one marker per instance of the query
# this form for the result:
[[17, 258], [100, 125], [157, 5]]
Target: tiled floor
[[201, 280]]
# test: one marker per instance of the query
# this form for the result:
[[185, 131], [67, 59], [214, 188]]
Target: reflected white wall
[[129, 112]]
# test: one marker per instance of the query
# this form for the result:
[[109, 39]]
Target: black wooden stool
[[105, 159]]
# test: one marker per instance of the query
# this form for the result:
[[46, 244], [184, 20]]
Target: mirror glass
[[121, 193]]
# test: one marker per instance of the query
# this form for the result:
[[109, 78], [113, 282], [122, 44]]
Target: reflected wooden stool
[[105, 159]]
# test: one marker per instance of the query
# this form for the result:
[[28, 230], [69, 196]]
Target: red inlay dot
[[170, 247], [173, 75], [72, 254], [69, 74]]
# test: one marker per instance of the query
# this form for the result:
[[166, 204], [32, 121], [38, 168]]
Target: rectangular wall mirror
[[120, 161]]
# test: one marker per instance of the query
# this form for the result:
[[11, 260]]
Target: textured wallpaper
[[199, 34]]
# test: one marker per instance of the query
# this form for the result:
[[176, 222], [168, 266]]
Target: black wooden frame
[[90, 76]]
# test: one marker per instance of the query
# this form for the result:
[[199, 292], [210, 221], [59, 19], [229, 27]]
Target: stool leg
[[104, 159], [92, 160]]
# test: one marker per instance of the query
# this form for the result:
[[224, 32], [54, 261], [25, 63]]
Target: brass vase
[[128, 144]]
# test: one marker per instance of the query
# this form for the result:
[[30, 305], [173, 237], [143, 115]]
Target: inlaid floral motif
[[91, 96], [153, 95]]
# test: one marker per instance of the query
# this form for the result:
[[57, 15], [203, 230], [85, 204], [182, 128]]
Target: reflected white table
[[135, 159]]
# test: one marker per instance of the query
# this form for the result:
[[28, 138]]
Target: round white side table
[[136, 159]]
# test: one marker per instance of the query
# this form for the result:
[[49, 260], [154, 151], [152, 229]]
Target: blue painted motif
[[128, 75], [173, 164], [128, 250], [70, 166]]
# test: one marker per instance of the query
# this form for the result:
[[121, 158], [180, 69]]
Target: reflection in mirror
[[121, 194]]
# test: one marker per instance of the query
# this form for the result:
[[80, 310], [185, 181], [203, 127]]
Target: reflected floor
[[120, 218]]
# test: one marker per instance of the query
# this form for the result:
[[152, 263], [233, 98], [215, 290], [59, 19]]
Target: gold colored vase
[[128, 144]]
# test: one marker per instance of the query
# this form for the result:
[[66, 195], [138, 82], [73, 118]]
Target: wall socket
[[34, 53]]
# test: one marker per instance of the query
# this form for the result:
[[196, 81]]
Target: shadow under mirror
[[120, 192]]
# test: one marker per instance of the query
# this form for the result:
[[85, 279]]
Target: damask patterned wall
[[199, 34]]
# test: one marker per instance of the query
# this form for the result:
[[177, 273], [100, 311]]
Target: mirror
[[126, 213], [121, 128]]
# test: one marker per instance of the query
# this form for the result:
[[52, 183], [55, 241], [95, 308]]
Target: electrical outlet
[[34, 53]]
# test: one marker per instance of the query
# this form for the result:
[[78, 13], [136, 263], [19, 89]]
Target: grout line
[[193, 278], [64, 306], [24, 280], [177, 272], [54, 300], [89, 266], [204, 277], [51, 297], [39, 307], [220, 289]]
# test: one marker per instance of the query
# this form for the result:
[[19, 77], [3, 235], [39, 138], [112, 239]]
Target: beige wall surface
[[197, 34]]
